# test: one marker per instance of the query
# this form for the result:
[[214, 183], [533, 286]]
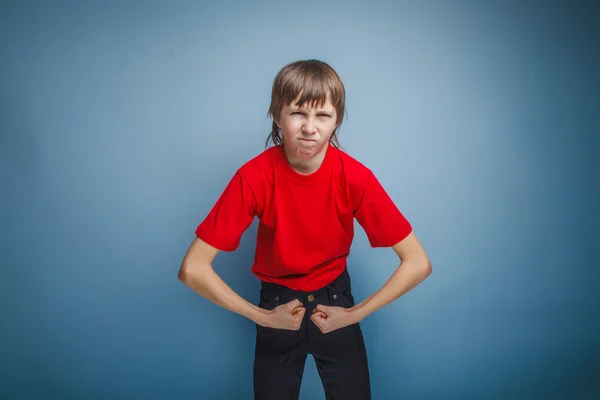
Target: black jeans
[[340, 356]]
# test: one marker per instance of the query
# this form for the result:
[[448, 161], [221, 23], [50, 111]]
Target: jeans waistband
[[340, 283]]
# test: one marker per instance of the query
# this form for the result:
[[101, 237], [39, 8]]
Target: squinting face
[[307, 130]]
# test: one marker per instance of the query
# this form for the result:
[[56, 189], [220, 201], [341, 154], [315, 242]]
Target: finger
[[296, 321], [295, 310], [321, 308], [294, 303], [319, 316], [298, 312], [318, 321]]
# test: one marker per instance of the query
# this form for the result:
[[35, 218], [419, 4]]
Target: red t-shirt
[[306, 221]]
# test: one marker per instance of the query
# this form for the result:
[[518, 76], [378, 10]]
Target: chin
[[308, 150]]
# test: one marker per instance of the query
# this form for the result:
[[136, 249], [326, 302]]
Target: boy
[[305, 192]]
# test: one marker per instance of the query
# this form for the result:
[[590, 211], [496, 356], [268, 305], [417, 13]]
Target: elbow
[[422, 266], [419, 263], [192, 270], [184, 272], [196, 263], [427, 269]]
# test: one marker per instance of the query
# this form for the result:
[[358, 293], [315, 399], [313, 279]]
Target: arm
[[380, 218], [197, 272], [414, 268]]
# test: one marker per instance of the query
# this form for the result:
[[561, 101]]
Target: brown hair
[[314, 80]]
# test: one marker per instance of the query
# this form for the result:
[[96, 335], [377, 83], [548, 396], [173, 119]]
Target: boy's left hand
[[330, 318]]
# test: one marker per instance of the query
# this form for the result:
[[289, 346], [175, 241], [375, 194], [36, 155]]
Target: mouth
[[307, 140]]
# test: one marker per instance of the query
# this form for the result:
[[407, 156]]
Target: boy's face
[[307, 130]]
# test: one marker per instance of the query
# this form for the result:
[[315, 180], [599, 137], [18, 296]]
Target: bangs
[[308, 83], [306, 87]]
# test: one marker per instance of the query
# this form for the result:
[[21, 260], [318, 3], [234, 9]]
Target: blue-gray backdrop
[[121, 122]]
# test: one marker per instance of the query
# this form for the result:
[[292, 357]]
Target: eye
[[297, 113], [325, 115]]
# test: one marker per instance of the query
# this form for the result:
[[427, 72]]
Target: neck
[[306, 165]]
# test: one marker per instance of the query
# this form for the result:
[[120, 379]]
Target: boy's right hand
[[287, 316]]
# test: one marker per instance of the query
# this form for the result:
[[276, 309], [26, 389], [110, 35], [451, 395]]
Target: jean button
[[276, 298], [335, 296], [311, 298]]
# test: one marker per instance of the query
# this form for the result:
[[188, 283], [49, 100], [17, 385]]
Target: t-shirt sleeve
[[232, 214], [381, 219]]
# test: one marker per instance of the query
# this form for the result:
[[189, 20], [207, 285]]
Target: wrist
[[357, 314], [261, 317]]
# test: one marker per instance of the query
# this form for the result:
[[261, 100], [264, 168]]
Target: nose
[[310, 127]]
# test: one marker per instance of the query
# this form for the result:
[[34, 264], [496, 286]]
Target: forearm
[[408, 275], [207, 283]]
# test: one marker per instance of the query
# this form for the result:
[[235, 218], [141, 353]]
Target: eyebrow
[[295, 108]]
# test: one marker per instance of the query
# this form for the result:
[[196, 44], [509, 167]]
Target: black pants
[[340, 355]]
